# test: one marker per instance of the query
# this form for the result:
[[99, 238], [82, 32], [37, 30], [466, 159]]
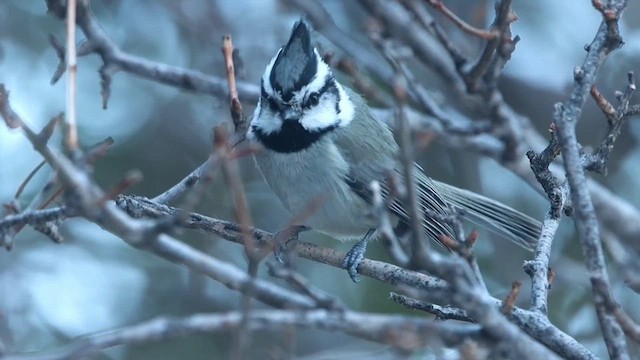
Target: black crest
[[296, 64]]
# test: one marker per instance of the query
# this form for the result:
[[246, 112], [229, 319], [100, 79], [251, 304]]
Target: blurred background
[[51, 293]]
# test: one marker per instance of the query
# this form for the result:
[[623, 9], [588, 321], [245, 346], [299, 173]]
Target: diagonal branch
[[566, 118], [113, 58]]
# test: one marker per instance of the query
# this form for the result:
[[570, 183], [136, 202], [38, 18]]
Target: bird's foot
[[355, 256], [283, 239]]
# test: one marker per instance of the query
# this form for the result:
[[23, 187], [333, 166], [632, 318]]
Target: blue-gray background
[[50, 293]]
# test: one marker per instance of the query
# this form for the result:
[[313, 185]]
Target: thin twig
[[385, 227], [232, 178], [33, 217], [62, 63], [420, 246], [441, 312], [364, 85], [463, 25], [97, 41], [131, 178], [28, 178], [538, 268], [324, 300], [557, 192], [10, 117], [183, 185], [510, 300], [71, 133]]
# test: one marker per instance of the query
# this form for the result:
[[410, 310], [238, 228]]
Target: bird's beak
[[290, 114]]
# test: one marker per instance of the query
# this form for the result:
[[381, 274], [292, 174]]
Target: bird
[[321, 141]]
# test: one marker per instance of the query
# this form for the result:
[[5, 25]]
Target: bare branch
[[62, 63], [565, 119], [538, 268], [183, 185], [11, 119], [441, 312], [99, 42], [323, 300], [464, 26], [33, 217], [403, 332]]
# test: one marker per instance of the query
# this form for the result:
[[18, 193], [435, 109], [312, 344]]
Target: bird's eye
[[270, 100], [314, 99], [272, 103]]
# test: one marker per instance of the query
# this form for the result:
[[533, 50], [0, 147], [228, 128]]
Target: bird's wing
[[430, 201], [370, 149]]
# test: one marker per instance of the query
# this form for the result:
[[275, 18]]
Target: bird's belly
[[341, 217], [321, 199]]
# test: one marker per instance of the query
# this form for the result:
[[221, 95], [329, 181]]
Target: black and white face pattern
[[300, 99]]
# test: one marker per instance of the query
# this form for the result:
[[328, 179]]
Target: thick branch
[[566, 119], [404, 332]]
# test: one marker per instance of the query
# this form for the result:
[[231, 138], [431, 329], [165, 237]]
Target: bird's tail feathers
[[493, 215]]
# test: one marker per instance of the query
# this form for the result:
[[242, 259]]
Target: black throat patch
[[292, 137]]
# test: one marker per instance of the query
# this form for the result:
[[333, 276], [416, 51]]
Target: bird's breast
[[312, 182]]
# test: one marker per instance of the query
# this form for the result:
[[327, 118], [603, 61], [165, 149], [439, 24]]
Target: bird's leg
[[355, 255], [283, 238]]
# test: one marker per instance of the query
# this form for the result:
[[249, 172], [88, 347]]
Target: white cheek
[[320, 117], [265, 120], [324, 114], [347, 110], [256, 113]]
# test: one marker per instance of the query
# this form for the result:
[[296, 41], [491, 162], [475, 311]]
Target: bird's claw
[[281, 252], [352, 260], [355, 256], [282, 241]]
